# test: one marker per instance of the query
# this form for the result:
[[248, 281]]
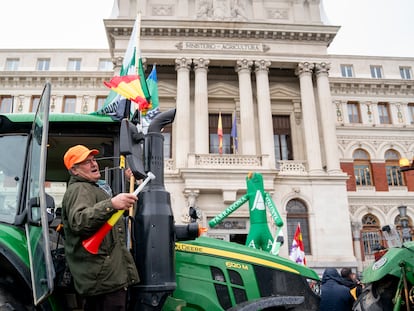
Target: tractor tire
[[10, 302], [270, 303], [377, 296]]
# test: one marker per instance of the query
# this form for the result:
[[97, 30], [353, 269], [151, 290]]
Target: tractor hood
[[390, 263]]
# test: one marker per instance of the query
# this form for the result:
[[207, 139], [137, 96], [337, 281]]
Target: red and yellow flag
[[220, 134], [297, 252], [129, 86]]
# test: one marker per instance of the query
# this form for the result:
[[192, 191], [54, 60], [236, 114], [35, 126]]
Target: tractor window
[[12, 159], [274, 282]]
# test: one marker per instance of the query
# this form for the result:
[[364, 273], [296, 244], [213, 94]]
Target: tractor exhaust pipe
[[153, 229]]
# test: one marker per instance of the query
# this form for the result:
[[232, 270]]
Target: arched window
[[297, 212], [371, 235], [392, 167], [362, 168]]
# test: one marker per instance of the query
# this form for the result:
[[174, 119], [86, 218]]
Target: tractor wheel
[[9, 302], [377, 296], [281, 303]]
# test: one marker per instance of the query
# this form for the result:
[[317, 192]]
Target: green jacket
[[85, 208]]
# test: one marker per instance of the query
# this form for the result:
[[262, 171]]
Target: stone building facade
[[325, 131]]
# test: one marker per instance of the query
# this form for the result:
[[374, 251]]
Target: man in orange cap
[[102, 278]]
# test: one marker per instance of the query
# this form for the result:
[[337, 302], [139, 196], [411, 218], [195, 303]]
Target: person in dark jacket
[[350, 280], [101, 279], [334, 295]]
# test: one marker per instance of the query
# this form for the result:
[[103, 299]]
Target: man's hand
[[128, 173], [123, 201]]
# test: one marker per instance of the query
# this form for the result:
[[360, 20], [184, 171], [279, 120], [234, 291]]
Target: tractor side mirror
[[34, 210], [130, 146]]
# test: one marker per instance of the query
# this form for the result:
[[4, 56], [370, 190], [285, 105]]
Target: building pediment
[[222, 90], [281, 91]]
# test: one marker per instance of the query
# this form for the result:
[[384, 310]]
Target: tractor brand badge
[[377, 265]]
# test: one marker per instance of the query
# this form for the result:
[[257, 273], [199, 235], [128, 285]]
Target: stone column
[[356, 237], [201, 106], [327, 118], [182, 116], [396, 113], [117, 65], [375, 114], [310, 122], [247, 137], [265, 111], [341, 112], [406, 114]]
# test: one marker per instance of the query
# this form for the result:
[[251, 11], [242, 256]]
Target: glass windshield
[[11, 169]]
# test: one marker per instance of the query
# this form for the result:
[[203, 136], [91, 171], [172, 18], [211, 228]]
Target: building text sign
[[221, 46]]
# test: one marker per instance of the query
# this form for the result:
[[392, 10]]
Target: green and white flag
[[114, 105]]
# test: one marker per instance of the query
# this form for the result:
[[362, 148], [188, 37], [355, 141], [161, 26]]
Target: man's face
[[88, 169]]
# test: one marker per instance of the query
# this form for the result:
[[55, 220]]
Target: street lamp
[[405, 229]]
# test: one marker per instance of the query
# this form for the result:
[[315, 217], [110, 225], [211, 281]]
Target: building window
[[282, 138], [6, 104], [362, 168], [405, 73], [105, 65], [74, 64], [34, 103], [371, 236], [12, 64], [226, 121], [69, 104], [347, 71], [297, 212], [99, 102], [376, 72], [384, 113], [353, 112], [411, 113], [392, 168], [43, 64], [167, 133]]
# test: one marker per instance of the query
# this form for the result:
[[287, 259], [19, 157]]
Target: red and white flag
[[297, 252]]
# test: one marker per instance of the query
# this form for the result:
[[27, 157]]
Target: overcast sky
[[368, 27]]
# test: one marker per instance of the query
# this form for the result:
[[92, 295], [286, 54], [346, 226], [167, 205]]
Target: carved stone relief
[[221, 9], [278, 13], [162, 10]]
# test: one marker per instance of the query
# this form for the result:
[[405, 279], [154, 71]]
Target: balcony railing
[[243, 162], [291, 167], [224, 161]]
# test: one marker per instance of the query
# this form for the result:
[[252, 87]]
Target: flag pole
[[137, 47], [131, 211]]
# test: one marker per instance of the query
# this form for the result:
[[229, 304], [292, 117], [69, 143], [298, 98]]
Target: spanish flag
[[129, 87], [220, 134]]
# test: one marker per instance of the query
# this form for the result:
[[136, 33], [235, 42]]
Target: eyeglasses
[[87, 162]]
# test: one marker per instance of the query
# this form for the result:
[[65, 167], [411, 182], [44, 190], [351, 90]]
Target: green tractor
[[179, 269], [389, 281]]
